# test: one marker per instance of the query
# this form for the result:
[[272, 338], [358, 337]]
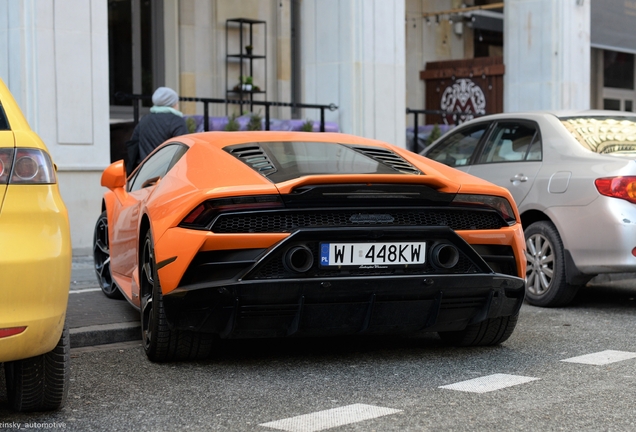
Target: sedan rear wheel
[[40, 383], [162, 343], [101, 259], [545, 274]]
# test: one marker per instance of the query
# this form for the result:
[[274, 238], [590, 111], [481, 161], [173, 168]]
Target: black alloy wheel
[[101, 259], [491, 331], [160, 342]]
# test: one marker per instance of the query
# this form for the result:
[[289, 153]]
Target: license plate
[[372, 254]]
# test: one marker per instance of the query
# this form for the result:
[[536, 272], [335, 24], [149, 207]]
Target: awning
[[612, 25]]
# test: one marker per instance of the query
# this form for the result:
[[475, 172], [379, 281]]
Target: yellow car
[[35, 267]]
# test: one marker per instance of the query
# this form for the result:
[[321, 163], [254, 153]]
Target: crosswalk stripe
[[330, 418], [489, 383], [602, 358]]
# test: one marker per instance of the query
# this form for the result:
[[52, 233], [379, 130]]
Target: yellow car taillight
[[25, 166]]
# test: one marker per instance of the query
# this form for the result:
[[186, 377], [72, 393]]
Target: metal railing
[[137, 98], [416, 112]]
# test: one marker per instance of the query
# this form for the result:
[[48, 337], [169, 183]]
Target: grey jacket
[[154, 129]]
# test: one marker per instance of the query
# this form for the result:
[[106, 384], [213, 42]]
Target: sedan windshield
[[603, 134]]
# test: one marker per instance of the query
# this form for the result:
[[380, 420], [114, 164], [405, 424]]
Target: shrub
[[191, 125], [255, 123], [232, 124], [436, 132], [308, 126]]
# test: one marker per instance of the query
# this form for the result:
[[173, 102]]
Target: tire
[[162, 343], [101, 259], [492, 331], [40, 383], [545, 275]]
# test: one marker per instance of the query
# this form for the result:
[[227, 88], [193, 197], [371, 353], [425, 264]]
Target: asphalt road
[[373, 384]]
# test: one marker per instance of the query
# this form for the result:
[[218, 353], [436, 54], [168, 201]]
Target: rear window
[[4, 123], [603, 134], [285, 160]]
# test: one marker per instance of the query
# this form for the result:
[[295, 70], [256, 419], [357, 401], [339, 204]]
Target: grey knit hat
[[165, 97]]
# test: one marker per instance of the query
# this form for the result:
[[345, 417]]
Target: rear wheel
[[492, 331], [545, 275], [101, 259], [40, 383], [162, 343]]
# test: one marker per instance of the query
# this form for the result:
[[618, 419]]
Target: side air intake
[[255, 157], [388, 158]]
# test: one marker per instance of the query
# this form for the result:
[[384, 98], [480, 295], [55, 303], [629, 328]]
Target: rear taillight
[[205, 212], [11, 331], [500, 204], [6, 160], [617, 187], [25, 166]]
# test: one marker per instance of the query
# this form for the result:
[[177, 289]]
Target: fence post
[[322, 119], [206, 117], [266, 117], [416, 127]]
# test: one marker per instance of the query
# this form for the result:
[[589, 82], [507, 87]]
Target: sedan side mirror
[[114, 176]]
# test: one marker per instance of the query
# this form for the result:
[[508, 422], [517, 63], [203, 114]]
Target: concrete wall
[[353, 56], [54, 59], [202, 50], [547, 55]]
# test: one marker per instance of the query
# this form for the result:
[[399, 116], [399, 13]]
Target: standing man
[[163, 122]]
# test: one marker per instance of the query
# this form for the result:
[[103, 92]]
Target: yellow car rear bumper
[[35, 269]]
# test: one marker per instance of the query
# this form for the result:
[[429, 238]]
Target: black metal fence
[[137, 98], [457, 119]]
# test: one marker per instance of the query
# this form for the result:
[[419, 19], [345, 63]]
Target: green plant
[[191, 125], [248, 49], [248, 80], [232, 124], [308, 126], [255, 122], [436, 132]]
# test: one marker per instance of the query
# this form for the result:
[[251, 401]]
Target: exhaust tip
[[298, 259], [445, 256]]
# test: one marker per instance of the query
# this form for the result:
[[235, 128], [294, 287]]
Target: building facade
[[65, 60]]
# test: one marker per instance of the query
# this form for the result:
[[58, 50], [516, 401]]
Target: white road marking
[[489, 383], [602, 358], [330, 418], [79, 291]]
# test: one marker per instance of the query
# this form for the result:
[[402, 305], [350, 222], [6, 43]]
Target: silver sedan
[[573, 176]]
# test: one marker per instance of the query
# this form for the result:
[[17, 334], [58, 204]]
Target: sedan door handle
[[519, 178]]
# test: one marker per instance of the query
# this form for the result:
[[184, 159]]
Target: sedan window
[[603, 134], [511, 142], [458, 148]]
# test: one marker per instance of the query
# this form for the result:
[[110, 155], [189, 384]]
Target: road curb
[[105, 334]]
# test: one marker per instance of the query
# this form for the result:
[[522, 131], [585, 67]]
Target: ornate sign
[[463, 96]]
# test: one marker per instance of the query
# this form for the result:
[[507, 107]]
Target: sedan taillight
[[617, 187], [25, 166]]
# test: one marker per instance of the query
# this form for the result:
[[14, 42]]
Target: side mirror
[[114, 176]]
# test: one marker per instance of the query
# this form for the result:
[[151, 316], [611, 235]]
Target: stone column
[[547, 54], [54, 59], [353, 56]]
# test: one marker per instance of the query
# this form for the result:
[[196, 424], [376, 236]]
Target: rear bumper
[[35, 270], [344, 306]]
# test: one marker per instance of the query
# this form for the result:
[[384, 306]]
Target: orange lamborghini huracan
[[269, 234]]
